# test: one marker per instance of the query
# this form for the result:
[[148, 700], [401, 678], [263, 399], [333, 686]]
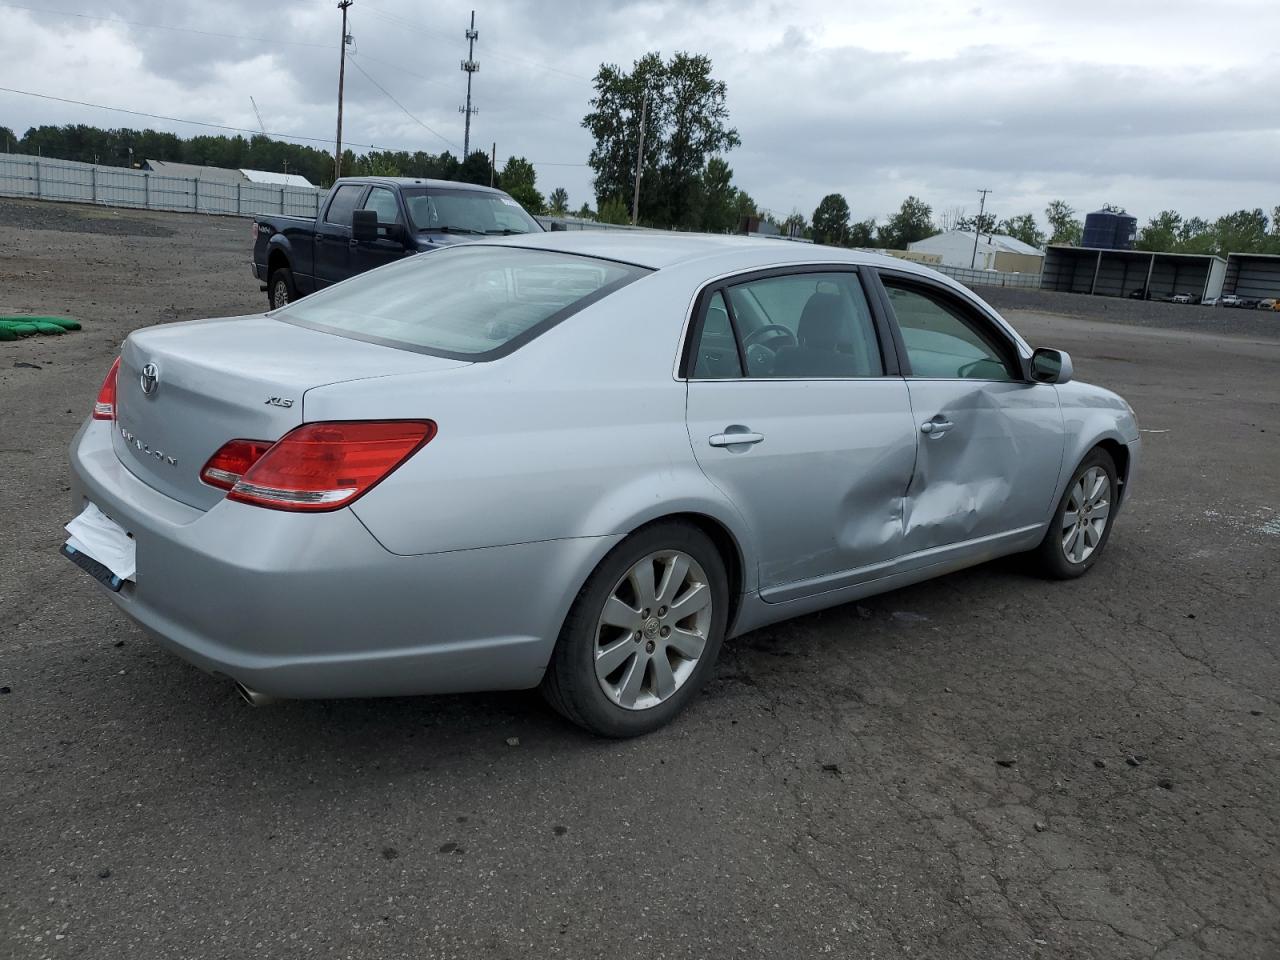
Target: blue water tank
[[1109, 229]]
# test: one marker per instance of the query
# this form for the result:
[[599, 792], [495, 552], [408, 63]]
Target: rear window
[[473, 302]]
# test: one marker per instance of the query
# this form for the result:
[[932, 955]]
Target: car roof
[[656, 249], [423, 182]]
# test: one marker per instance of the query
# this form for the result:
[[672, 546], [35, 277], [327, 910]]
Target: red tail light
[[322, 466], [104, 408], [232, 461]]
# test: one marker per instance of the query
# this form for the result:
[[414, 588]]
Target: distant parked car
[[1139, 294], [1184, 298], [1232, 300], [1270, 303], [1211, 302]]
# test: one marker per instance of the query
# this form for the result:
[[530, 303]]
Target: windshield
[[471, 302], [467, 211]]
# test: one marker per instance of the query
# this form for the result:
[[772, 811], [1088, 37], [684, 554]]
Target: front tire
[[643, 634], [280, 288], [1081, 525]]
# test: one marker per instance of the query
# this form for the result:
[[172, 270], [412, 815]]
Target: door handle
[[936, 427], [733, 439], [353, 242]]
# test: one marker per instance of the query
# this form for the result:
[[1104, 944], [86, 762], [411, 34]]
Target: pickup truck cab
[[365, 222]]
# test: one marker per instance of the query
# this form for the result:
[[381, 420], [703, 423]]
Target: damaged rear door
[[989, 443], [799, 418]]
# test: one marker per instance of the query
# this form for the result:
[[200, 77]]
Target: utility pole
[[342, 76], [977, 227], [469, 66], [635, 200], [493, 162]]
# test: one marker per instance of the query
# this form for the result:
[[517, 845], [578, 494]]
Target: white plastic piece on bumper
[[96, 535]]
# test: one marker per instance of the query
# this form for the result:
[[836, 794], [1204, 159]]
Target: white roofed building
[[996, 251]]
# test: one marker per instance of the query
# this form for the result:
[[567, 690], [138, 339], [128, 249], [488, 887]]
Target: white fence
[[22, 175], [989, 278]]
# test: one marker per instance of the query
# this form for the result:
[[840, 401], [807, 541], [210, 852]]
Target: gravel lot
[[984, 766]]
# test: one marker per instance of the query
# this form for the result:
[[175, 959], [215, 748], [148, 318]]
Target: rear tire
[[1074, 542], [280, 288], [636, 646]]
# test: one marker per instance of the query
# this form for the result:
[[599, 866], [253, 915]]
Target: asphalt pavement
[[984, 766]]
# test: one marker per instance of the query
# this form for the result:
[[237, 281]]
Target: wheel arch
[[726, 544], [277, 258]]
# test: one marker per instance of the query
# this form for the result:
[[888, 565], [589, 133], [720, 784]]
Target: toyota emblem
[[150, 379]]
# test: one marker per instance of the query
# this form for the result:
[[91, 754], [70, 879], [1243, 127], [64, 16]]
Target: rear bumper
[[298, 605]]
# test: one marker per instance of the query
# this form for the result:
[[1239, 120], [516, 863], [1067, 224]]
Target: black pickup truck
[[365, 222]]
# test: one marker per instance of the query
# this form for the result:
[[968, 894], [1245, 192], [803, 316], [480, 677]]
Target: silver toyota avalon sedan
[[579, 461]]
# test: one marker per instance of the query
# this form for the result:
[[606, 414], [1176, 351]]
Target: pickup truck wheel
[[280, 289]]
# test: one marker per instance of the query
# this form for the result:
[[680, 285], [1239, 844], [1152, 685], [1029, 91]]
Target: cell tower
[[469, 66]]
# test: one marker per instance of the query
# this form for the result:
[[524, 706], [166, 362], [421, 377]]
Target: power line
[[160, 116], [251, 130], [355, 63], [161, 26]]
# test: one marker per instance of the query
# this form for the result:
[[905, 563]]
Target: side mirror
[[364, 225], [1051, 366]]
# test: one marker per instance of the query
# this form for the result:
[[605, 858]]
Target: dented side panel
[[822, 492], [993, 470]]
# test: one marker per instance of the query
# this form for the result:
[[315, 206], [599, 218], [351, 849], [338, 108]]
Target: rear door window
[[343, 203], [812, 325], [472, 302]]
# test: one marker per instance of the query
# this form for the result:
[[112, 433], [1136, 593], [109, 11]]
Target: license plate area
[[92, 567]]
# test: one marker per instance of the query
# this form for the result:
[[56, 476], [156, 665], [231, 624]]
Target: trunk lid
[[235, 378]]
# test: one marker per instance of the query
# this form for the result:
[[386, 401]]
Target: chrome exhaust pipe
[[253, 697]]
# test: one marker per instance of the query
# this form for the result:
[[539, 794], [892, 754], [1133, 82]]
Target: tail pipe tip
[[253, 697]]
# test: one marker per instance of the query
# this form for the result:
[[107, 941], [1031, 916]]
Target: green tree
[[1022, 227], [1244, 231], [1196, 236], [558, 202], [795, 225], [585, 212], [831, 221], [862, 233], [613, 210], [517, 171], [8, 140], [912, 222], [518, 179], [1162, 232], [475, 169], [719, 198], [744, 207], [986, 223], [686, 124], [1063, 225]]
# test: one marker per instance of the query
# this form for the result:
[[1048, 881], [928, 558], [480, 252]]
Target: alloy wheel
[[279, 294], [653, 629], [1085, 519]]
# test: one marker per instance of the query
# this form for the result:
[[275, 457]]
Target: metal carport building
[[1118, 273], [1255, 275]]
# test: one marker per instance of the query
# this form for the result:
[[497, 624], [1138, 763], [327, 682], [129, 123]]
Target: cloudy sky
[[1151, 105]]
